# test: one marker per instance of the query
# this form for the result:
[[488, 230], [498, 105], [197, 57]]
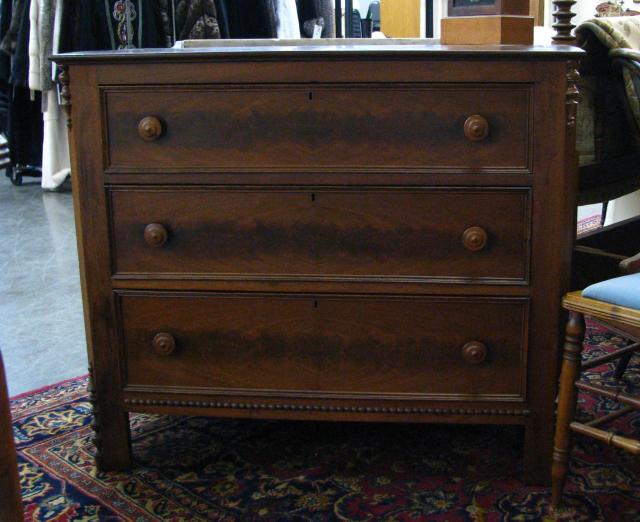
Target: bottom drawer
[[326, 346]]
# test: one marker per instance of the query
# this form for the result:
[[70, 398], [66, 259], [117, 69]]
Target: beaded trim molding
[[315, 407]]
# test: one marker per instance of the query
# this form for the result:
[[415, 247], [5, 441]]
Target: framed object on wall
[[488, 7]]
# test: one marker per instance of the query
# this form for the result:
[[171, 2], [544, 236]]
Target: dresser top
[[269, 49]]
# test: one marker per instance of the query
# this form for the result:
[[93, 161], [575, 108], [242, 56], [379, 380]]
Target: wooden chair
[[10, 499], [616, 171], [614, 303]]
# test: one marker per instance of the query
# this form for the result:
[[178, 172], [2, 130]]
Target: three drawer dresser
[[324, 232]]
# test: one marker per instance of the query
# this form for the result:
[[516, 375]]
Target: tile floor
[[41, 326]]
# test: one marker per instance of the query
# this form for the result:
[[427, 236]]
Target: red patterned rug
[[192, 468], [588, 224]]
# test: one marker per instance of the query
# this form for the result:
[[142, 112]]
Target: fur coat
[[196, 20]]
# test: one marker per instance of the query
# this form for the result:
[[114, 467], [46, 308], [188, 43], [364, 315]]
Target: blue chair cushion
[[621, 291]]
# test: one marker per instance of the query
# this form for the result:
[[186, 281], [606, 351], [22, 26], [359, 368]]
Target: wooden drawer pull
[[476, 128], [155, 235], [150, 128], [475, 352], [475, 238], [164, 343]]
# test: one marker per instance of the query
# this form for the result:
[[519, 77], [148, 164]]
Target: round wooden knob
[[150, 128], [476, 128], [164, 343], [155, 235], [474, 352], [475, 238]]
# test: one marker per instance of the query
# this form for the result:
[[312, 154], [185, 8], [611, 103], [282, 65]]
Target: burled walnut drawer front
[[318, 128], [322, 233], [326, 344]]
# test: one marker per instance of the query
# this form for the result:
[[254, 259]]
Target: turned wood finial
[[573, 94], [65, 92], [96, 423], [563, 25]]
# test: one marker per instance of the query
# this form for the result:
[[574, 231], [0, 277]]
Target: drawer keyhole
[[310, 95]]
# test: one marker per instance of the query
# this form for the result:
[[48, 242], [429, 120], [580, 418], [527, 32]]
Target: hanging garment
[[196, 20], [20, 57], [42, 19], [56, 165], [166, 21], [288, 22], [24, 119], [270, 10], [326, 10], [5, 65], [25, 129], [223, 18], [252, 18], [311, 10], [55, 144], [10, 37], [93, 25]]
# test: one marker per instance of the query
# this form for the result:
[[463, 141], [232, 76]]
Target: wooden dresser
[[369, 233]]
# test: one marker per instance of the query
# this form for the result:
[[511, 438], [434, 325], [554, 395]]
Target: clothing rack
[[16, 172]]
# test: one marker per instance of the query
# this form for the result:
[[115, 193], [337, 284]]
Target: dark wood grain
[[325, 344], [332, 127], [85, 140], [325, 221], [10, 495], [323, 232]]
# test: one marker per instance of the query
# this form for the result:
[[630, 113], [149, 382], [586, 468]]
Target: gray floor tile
[[41, 326]]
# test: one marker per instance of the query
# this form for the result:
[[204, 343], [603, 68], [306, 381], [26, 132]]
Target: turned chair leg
[[566, 403]]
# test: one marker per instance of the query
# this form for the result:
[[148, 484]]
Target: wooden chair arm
[[631, 265]]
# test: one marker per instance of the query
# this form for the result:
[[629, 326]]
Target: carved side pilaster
[[65, 93], [573, 94], [96, 425], [563, 25]]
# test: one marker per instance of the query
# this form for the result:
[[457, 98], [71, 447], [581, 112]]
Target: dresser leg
[[566, 403], [113, 444], [112, 435], [537, 451]]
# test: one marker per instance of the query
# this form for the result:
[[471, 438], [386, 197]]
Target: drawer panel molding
[[454, 235], [327, 127], [325, 346]]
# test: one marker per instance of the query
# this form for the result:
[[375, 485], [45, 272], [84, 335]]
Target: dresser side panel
[[553, 226], [86, 143]]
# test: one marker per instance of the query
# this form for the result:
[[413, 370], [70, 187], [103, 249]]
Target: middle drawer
[[479, 235]]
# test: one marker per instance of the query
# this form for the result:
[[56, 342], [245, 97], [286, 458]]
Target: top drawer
[[320, 128]]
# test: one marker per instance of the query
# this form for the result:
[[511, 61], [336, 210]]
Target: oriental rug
[[196, 469]]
